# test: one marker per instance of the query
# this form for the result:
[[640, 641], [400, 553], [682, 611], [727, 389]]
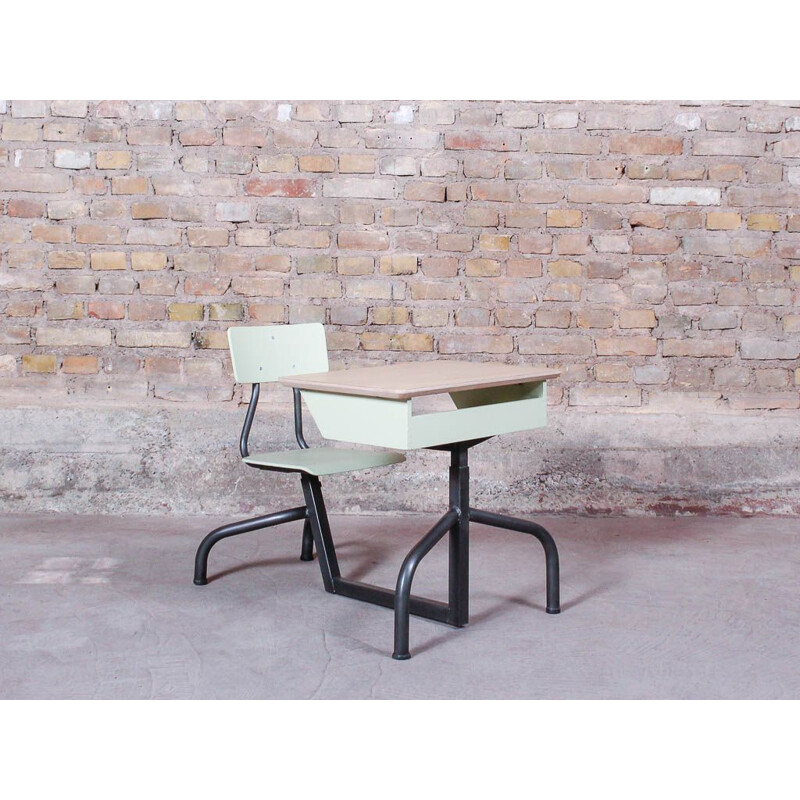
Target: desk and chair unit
[[373, 406]]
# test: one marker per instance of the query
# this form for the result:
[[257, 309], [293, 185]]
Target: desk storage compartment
[[478, 413]]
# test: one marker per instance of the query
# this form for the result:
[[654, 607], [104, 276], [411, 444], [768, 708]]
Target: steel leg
[[307, 550], [317, 535], [550, 550], [403, 591], [234, 529], [458, 571], [321, 531]]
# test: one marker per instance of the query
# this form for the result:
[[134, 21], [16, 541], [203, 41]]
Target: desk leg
[[402, 594], [456, 523], [401, 598], [546, 540], [458, 577]]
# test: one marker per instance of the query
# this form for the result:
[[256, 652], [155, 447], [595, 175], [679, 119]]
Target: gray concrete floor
[[104, 607]]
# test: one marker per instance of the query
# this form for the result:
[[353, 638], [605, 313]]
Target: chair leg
[[307, 551], [234, 529], [321, 532], [544, 537]]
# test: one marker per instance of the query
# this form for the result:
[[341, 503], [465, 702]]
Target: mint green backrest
[[264, 353]]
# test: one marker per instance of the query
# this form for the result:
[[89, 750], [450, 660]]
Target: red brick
[[363, 240], [240, 136], [106, 309], [626, 346], [80, 365], [150, 135], [198, 137], [643, 144], [501, 141], [27, 209], [281, 187]]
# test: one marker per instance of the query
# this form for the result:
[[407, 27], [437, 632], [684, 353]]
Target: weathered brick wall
[[650, 250], [646, 248]]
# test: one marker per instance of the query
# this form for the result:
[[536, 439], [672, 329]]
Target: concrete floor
[[104, 607]]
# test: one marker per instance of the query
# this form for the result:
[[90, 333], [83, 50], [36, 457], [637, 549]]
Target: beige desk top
[[405, 380]]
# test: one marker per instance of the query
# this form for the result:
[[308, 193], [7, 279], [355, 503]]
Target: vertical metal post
[[458, 578], [321, 531]]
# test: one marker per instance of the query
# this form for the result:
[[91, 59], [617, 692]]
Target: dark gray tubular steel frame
[[317, 533], [268, 520]]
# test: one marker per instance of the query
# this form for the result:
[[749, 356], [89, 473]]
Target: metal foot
[[402, 595], [307, 550], [532, 528], [234, 529]]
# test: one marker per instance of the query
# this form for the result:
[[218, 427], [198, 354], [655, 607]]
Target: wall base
[[118, 460]]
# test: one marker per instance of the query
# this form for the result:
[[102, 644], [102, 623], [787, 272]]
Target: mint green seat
[[263, 354]]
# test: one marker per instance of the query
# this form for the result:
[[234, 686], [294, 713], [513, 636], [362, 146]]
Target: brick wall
[[649, 249]]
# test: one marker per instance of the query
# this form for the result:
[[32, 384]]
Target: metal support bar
[[321, 531], [377, 595], [317, 534], [298, 421], [550, 550], [234, 529], [366, 592], [406, 576], [248, 420], [458, 567]]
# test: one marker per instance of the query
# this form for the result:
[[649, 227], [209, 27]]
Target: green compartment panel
[[391, 423]]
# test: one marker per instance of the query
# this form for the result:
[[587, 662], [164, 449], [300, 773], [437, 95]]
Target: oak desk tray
[[373, 405]]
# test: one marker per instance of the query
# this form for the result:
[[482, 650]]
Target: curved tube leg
[[551, 565], [307, 550], [403, 591], [234, 529], [549, 545]]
